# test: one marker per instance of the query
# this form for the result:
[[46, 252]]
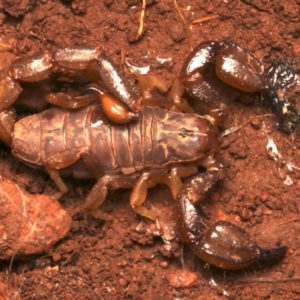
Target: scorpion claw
[[235, 66], [227, 246], [224, 244]]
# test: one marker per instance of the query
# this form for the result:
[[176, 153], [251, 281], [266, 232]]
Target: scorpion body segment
[[126, 144]]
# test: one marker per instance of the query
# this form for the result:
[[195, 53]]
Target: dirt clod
[[182, 279], [29, 224]]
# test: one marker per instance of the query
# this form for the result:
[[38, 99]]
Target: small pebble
[[122, 282], [123, 263], [56, 256], [163, 264], [108, 3], [245, 213], [182, 279], [256, 122], [176, 32]]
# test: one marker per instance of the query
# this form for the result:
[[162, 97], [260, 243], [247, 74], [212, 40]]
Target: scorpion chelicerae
[[137, 141]]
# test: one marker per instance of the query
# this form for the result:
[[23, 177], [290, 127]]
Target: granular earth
[[122, 259]]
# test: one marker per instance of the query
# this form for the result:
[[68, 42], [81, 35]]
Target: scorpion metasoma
[[136, 139]]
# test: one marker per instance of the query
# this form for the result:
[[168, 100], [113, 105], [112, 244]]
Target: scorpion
[[139, 138]]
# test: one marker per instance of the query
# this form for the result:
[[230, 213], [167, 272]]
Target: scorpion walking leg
[[224, 245], [67, 101], [156, 94], [55, 176], [172, 179], [68, 157], [7, 120], [139, 193], [113, 182]]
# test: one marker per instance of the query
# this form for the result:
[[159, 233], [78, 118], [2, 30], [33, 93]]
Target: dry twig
[[205, 19], [142, 18], [187, 29]]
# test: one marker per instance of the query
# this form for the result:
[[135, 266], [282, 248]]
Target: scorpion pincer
[[126, 143]]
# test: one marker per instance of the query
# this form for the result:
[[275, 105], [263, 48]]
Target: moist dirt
[[123, 259]]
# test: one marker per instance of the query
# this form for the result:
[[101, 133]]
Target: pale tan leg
[[154, 94], [139, 195], [71, 102], [219, 115], [95, 199], [65, 159], [176, 93], [173, 179], [55, 176], [7, 121], [97, 195]]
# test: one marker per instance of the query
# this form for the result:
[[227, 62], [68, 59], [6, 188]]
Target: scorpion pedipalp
[[227, 246], [223, 244], [235, 66]]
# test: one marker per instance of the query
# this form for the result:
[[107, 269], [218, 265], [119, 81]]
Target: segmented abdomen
[[119, 148]]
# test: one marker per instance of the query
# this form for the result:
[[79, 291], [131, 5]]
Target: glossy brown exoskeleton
[[127, 144]]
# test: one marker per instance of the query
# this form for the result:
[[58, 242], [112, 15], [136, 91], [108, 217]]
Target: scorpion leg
[[60, 161], [67, 101], [28, 70], [9, 92], [55, 176], [224, 245], [140, 186], [121, 100], [7, 120], [67, 158], [146, 180], [155, 93], [90, 62], [176, 93], [138, 197], [97, 195]]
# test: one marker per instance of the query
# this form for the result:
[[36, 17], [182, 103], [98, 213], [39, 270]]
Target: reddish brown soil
[[122, 260]]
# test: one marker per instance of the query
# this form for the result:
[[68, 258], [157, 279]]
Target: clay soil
[[122, 259]]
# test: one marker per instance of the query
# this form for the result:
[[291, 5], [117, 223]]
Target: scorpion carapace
[[124, 143]]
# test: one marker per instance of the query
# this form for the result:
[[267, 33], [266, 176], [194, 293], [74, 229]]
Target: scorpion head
[[183, 138]]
